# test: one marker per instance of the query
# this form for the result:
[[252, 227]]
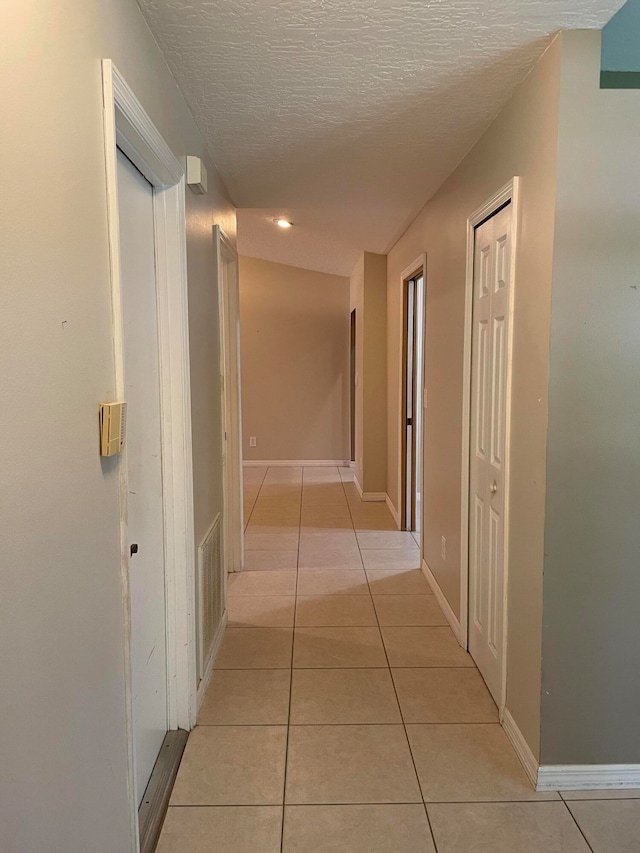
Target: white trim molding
[[450, 616], [521, 747], [568, 777], [295, 463], [128, 127], [371, 497], [409, 272], [508, 193], [588, 777], [393, 510]]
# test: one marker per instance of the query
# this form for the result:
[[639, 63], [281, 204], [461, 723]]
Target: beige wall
[[356, 303], [591, 660], [368, 289], [294, 329], [61, 621], [522, 141]]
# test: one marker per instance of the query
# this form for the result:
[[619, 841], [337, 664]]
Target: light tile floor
[[343, 716]]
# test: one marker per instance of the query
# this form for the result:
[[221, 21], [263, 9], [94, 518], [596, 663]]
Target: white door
[[491, 295], [144, 462], [229, 292]]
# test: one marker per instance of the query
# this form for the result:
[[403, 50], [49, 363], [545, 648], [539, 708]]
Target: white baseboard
[[368, 496], [451, 617], [296, 463], [521, 747], [394, 512], [569, 777], [208, 671], [588, 777]]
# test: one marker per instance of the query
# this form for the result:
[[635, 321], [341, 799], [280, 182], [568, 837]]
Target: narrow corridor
[[342, 714]]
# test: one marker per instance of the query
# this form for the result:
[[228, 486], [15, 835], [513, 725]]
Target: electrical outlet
[[253, 441], [443, 548]]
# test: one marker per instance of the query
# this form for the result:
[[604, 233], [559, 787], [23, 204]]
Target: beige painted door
[[491, 297]]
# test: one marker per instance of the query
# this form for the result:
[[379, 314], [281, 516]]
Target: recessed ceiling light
[[283, 223]]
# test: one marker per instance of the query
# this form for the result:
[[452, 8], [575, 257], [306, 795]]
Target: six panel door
[[491, 297]]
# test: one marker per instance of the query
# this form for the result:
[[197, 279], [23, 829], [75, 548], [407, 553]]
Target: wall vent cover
[[210, 593]]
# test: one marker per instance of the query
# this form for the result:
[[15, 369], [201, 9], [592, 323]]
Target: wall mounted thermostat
[[113, 428]]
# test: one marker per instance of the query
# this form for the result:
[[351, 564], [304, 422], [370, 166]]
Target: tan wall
[[522, 141], [368, 287], [356, 301], [61, 619], [295, 331], [591, 661]]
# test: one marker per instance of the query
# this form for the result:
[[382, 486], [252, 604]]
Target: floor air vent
[[210, 593]]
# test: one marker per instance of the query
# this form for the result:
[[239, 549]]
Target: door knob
[[493, 488]]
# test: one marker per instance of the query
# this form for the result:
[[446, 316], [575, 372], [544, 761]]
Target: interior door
[[144, 463], [409, 407], [412, 396], [418, 396], [491, 296], [229, 290], [352, 385]]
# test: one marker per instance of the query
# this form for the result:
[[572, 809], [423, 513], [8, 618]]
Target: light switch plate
[[113, 427]]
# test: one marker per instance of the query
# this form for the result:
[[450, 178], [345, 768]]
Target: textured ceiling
[[346, 115]]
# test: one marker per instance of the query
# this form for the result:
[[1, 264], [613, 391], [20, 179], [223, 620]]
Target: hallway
[[341, 693]]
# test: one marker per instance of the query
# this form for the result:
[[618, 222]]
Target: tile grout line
[[573, 818], [343, 725], [390, 671], [266, 470], [366, 803], [293, 641], [404, 725]]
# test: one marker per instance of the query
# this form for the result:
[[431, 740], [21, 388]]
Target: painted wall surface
[[64, 748], [368, 287], [620, 51], [374, 376], [295, 334], [591, 648], [356, 303], [522, 141]]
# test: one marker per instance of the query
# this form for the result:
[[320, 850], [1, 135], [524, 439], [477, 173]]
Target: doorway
[[145, 521], [489, 298], [147, 242], [229, 307], [412, 400], [352, 385]]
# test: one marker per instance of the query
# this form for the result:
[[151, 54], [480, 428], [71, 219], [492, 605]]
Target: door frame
[[353, 360], [229, 310], [128, 127], [414, 269], [508, 193]]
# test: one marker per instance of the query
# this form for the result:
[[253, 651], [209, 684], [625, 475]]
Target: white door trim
[[229, 310], [509, 192], [128, 127], [420, 263]]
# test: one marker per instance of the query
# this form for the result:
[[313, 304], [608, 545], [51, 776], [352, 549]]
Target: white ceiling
[[346, 115]]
